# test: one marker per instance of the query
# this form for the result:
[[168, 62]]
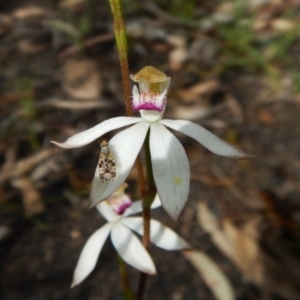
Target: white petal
[[125, 147], [151, 115], [170, 169], [161, 235], [107, 212], [206, 138], [131, 250], [89, 254], [156, 203], [85, 137], [136, 207]]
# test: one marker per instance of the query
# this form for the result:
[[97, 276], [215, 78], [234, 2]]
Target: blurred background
[[235, 70]]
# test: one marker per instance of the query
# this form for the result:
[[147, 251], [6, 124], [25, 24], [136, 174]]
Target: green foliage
[[182, 9], [240, 46], [296, 79], [239, 43], [75, 26], [23, 87]]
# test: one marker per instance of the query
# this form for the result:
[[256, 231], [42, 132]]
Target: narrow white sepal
[[125, 147], [160, 235], [136, 207], [156, 203], [171, 169], [85, 137], [205, 137], [90, 253], [107, 212], [131, 250], [166, 238]]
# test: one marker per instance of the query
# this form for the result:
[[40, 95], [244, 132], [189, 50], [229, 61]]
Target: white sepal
[[131, 250], [136, 207], [170, 169], [90, 253], [125, 147], [107, 212], [160, 235], [85, 137], [206, 138], [156, 202]]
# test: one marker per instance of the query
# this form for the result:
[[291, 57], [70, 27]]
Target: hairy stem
[[121, 40]]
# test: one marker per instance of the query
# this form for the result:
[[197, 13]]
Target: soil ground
[[60, 75]]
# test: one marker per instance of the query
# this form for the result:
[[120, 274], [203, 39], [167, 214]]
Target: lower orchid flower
[[120, 226], [169, 161]]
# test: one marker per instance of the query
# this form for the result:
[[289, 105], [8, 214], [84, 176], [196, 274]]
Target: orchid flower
[[169, 161], [116, 211]]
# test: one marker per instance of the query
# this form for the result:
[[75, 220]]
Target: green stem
[[127, 291], [121, 40]]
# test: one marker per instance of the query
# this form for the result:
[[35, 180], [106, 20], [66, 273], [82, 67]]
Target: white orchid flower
[[129, 247], [169, 161]]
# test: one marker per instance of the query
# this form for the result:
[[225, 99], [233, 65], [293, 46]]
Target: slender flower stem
[[147, 201], [121, 40], [142, 286], [142, 180], [127, 291]]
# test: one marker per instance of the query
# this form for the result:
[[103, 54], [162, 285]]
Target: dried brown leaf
[[193, 112], [265, 117], [5, 231], [234, 106], [75, 105], [30, 12], [212, 275], [6, 23], [177, 57], [235, 243], [196, 91], [31, 197], [81, 79], [224, 12], [283, 25], [30, 47], [71, 3], [27, 164]]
